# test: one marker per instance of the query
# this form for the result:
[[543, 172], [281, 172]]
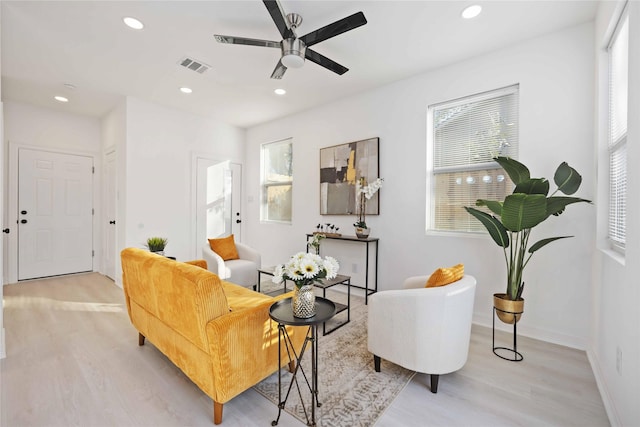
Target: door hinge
[[93, 169], [93, 253], [93, 211]]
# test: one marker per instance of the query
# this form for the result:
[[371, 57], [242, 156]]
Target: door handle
[[23, 221], [112, 222], [6, 230], [238, 221], [23, 212]]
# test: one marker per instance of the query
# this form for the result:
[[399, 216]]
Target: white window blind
[[466, 135], [277, 181], [618, 95]]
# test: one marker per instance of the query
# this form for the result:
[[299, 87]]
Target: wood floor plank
[[73, 360]]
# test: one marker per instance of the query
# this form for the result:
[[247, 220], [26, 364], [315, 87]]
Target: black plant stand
[[517, 356]]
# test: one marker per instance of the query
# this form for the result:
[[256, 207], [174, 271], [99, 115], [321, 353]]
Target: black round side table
[[282, 313]]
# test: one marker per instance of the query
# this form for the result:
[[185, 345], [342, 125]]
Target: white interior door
[[55, 217], [218, 188], [110, 215]]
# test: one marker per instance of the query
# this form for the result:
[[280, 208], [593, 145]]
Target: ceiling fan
[[295, 49]]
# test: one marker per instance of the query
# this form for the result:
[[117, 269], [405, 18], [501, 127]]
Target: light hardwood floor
[[73, 360]]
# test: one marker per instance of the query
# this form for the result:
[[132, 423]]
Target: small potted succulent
[[156, 244]]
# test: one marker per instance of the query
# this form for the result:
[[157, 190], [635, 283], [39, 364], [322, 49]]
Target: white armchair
[[422, 329], [242, 271]]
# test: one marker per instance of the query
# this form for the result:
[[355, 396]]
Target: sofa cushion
[[225, 247], [444, 276]]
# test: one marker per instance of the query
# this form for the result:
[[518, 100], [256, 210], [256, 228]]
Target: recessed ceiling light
[[185, 90], [280, 91], [471, 11], [133, 23], [60, 98]]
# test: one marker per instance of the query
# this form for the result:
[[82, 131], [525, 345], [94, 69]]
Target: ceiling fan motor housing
[[293, 51]]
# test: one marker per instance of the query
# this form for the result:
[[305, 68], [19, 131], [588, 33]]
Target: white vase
[[362, 233], [303, 302]]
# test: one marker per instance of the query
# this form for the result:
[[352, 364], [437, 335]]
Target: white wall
[[160, 145], [615, 319], [41, 128], [555, 73]]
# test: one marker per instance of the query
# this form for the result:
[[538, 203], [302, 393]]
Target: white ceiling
[[50, 43]]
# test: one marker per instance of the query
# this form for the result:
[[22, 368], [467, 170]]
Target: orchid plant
[[306, 269], [366, 192]]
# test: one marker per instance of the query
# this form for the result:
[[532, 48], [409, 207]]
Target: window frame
[[615, 145], [432, 170], [266, 185]]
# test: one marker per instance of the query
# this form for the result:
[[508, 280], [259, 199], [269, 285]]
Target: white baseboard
[[609, 406], [535, 333]]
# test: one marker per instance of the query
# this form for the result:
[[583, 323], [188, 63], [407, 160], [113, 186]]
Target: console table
[[369, 240], [282, 313]]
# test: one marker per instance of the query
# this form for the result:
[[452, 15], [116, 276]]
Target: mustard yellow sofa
[[219, 334]]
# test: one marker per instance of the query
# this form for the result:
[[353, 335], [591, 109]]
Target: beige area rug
[[351, 392]]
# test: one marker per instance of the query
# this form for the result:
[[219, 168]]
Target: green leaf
[[516, 170], [493, 225], [533, 186], [567, 179], [522, 211], [544, 242], [494, 206], [556, 205]]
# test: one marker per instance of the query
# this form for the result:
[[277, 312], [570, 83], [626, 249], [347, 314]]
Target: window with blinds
[[277, 181], [465, 136], [618, 94]]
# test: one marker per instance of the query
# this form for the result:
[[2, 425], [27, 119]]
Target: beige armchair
[[242, 271], [422, 329]]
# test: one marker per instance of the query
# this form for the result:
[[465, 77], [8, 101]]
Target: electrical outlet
[[354, 268], [619, 360]]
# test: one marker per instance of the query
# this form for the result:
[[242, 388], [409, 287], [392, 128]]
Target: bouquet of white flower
[[305, 269]]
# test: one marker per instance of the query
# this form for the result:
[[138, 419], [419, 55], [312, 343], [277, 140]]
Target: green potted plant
[[156, 244], [529, 205]]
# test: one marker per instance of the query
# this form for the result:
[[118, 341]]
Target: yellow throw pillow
[[225, 247], [444, 276]]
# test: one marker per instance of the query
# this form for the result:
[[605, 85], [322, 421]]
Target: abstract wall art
[[341, 166]]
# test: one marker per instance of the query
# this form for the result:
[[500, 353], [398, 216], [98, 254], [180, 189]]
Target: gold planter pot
[[508, 311]]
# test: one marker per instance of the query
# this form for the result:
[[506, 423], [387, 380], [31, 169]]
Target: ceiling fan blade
[[246, 41], [343, 25], [278, 72], [279, 18], [325, 62]]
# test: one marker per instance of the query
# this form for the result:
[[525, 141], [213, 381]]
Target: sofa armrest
[[248, 253], [215, 263], [244, 349]]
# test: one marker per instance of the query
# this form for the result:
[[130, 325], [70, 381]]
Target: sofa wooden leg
[[217, 412], [434, 383], [292, 366], [140, 339], [376, 363]]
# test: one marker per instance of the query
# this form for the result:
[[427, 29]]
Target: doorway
[[218, 200], [55, 214]]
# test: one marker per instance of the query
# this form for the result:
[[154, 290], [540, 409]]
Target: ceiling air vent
[[194, 64]]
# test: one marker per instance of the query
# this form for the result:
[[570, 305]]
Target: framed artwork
[[341, 167]]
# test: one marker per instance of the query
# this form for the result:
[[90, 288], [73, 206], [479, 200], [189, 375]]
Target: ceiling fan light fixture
[[293, 53], [292, 60]]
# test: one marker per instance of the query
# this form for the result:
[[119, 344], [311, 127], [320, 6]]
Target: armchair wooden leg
[[434, 383], [376, 363], [217, 412], [140, 339], [292, 366]]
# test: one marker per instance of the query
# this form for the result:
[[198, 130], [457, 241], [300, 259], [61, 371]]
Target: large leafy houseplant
[[529, 205]]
